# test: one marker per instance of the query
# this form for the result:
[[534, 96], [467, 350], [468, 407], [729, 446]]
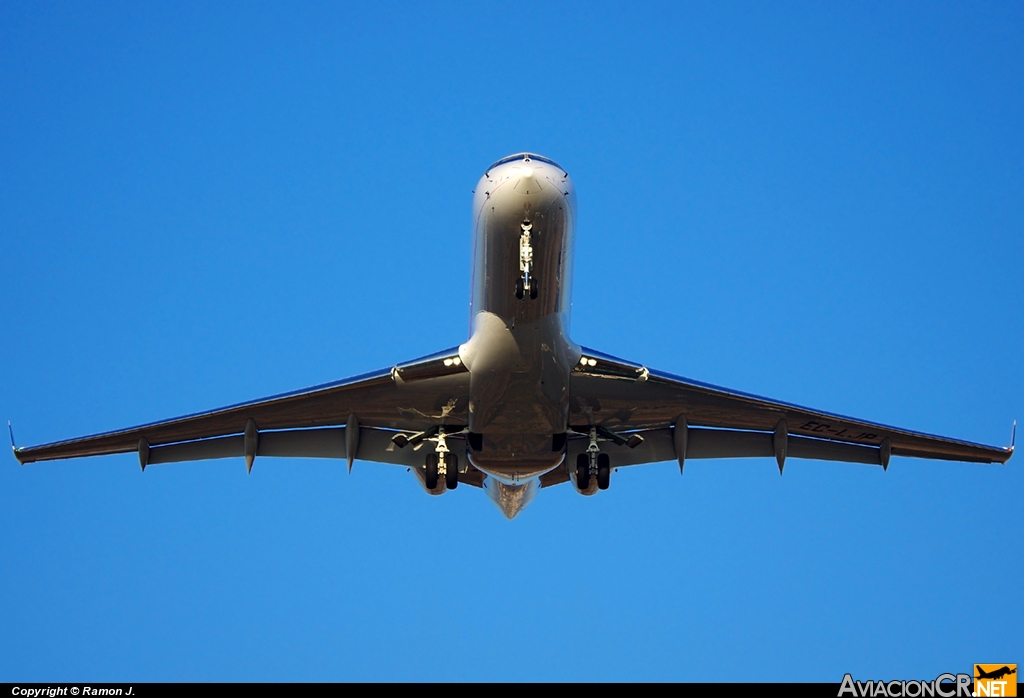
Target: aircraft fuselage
[[519, 353]]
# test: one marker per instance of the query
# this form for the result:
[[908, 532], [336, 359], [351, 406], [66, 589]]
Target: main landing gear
[[603, 471], [442, 463], [593, 463]]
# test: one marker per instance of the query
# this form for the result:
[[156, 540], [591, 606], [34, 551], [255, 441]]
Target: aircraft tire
[[431, 471], [582, 471], [519, 288], [604, 471], [451, 473], [533, 288]]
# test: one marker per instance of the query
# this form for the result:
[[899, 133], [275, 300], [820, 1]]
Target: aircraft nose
[[528, 183]]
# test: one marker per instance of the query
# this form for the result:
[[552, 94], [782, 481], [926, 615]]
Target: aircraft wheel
[[451, 473], [533, 288], [431, 471], [583, 471], [519, 288], [604, 471]]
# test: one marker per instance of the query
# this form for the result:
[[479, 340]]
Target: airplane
[[995, 674], [519, 406]]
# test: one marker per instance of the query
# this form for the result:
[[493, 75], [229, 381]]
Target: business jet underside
[[519, 406]]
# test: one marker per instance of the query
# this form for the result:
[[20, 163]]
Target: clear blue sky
[[203, 204]]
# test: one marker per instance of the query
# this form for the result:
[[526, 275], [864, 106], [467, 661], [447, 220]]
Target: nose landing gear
[[527, 283]]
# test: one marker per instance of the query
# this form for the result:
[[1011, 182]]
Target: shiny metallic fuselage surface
[[519, 353]]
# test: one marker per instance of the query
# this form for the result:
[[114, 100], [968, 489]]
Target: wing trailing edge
[[412, 396], [626, 396]]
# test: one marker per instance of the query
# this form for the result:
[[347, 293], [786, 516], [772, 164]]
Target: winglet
[[1013, 436], [14, 448]]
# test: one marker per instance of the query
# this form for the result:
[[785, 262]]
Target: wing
[[429, 392], [679, 418]]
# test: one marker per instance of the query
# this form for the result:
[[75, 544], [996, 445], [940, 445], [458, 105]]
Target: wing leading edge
[[623, 396]]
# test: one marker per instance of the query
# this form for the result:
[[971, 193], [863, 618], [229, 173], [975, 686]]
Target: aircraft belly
[[519, 354], [511, 459], [519, 393]]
